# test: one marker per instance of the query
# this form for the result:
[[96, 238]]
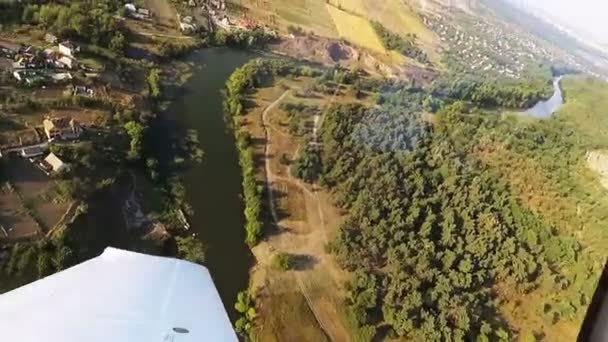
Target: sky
[[588, 18]]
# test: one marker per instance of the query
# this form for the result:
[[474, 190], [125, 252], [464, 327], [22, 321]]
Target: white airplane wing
[[118, 296]]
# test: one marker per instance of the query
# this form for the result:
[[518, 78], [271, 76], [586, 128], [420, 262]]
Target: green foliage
[[90, 21], [430, 228], [169, 49], [405, 45], [246, 307], [308, 165], [135, 131], [191, 248], [241, 38], [153, 81], [493, 92], [282, 261], [239, 83], [118, 43]]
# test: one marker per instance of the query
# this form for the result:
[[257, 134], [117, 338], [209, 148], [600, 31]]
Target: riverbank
[[545, 109], [213, 187]]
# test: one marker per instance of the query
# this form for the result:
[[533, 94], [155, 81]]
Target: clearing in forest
[[356, 30]]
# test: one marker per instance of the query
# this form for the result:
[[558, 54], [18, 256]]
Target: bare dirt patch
[[329, 51], [33, 188], [15, 222], [163, 12]]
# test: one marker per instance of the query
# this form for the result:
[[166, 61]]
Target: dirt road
[[314, 290]]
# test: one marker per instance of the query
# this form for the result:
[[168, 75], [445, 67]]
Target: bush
[[282, 261]]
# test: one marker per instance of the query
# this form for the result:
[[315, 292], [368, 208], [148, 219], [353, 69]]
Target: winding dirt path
[[307, 282]]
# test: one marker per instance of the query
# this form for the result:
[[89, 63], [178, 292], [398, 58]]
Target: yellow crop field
[[356, 29], [400, 18], [354, 6], [310, 15]]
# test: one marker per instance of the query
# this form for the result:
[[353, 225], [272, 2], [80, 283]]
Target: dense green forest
[[488, 92], [431, 230]]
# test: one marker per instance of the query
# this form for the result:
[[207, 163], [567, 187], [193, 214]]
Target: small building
[[187, 28], [67, 62], [130, 8], [83, 91], [144, 11], [32, 152], [67, 48], [53, 163], [19, 64], [50, 38], [63, 128]]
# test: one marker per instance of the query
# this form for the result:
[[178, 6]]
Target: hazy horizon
[[586, 18]]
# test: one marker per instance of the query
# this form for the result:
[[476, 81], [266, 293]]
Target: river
[[544, 109], [214, 187]]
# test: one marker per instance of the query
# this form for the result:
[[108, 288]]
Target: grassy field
[[310, 15], [356, 30], [397, 16]]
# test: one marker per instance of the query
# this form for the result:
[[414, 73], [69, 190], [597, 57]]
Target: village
[[479, 46]]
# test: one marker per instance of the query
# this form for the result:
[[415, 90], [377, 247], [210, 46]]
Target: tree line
[[405, 45]]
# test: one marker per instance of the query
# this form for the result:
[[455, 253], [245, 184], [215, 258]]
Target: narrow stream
[[544, 109], [214, 186]]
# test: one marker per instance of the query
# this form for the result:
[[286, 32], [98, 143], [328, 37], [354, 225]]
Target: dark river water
[[214, 186], [544, 109]]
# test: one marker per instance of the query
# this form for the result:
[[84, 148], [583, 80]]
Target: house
[[67, 48], [185, 27], [144, 11], [53, 163], [32, 152], [83, 91], [63, 128], [130, 8], [67, 62], [19, 64], [50, 38]]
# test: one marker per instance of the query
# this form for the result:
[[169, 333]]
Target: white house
[[56, 164], [67, 62], [185, 27], [130, 8], [67, 48]]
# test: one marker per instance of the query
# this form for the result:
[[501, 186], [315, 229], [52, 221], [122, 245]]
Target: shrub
[[282, 261]]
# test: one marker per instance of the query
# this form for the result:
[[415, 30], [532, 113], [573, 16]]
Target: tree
[[135, 131], [154, 83], [191, 248], [282, 261], [118, 43]]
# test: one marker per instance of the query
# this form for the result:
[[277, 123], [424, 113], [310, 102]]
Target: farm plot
[[356, 29]]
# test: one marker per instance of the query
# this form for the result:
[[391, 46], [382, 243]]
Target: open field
[[36, 191], [14, 219], [300, 220], [356, 30], [308, 14]]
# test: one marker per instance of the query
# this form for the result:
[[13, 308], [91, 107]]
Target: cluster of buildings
[[488, 47], [34, 143], [32, 66]]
